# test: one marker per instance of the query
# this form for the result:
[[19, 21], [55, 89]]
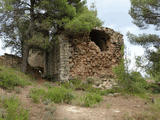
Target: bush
[[130, 82], [37, 94], [59, 95], [77, 84], [91, 99], [13, 109], [9, 78], [54, 94], [154, 88]]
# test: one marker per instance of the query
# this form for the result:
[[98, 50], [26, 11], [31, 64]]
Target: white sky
[[115, 15]]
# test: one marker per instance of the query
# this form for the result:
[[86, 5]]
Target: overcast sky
[[115, 15]]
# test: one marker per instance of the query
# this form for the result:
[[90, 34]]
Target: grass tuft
[[54, 94], [90, 99], [13, 109], [10, 78]]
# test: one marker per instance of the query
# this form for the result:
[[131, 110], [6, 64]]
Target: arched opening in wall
[[100, 38]]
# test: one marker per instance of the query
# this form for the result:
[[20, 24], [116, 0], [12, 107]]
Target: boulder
[[36, 58]]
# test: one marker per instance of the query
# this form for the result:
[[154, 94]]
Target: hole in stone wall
[[100, 38]]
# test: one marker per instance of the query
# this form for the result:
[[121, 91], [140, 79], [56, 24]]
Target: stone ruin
[[10, 60], [84, 56]]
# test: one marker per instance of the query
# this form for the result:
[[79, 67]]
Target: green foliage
[[40, 41], [50, 112], [145, 40], [151, 57], [129, 82], [36, 94], [83, 23], [46, 19], [154, 88], [145, 12], [54, 94], [78, 84], [9, 78], [90, 99], [59, 95], [13, 109], [75, 84]]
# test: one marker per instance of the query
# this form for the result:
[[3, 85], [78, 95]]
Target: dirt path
[[112, 108]]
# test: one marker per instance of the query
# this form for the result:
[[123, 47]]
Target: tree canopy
[[145, 13], [36, 22]]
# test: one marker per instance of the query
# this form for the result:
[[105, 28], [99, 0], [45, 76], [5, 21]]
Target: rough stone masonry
[[83, 56]]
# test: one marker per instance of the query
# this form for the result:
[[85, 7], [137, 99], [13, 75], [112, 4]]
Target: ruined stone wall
[[96, 60], [10, 60], [85, 56]]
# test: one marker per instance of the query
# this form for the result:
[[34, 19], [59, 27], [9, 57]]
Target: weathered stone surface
[[10, 60], [36, 58], [93, 59], [64, 54], [96, 55]]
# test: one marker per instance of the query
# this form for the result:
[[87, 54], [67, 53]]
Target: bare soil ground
[[112, 108]]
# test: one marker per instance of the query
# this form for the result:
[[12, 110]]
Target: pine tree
[[144, 14], [35, 23]]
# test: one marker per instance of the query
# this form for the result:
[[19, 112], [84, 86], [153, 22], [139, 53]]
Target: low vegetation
[[130, 82], [54, 94], [87, 86], [11, 109], [64, 95], [9, 78], [91, 99]]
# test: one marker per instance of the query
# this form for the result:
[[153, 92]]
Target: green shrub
[[77, 84], [48, 85], [13, 109], [59, 95], [154, 88], [54, 94], [37, 94], [130, 82], [91, 99], [108, 91], [9, 78]]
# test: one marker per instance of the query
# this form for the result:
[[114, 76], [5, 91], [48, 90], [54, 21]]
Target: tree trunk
[[25, 58], [29, 32]]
